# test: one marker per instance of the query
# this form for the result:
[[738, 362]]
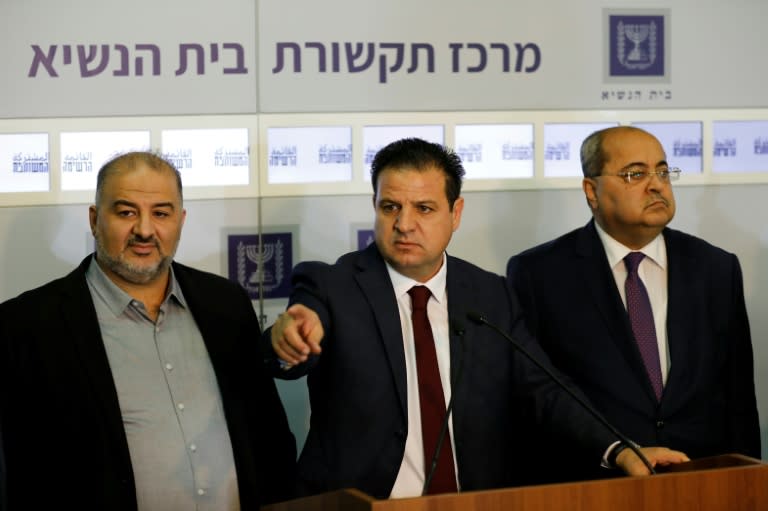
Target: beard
[[133, 273]]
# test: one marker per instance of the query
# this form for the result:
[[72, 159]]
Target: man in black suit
[[134, 382], [696, 391], [368, 427]]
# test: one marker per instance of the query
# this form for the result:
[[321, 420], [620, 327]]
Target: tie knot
[[632, 261], [419, 297]]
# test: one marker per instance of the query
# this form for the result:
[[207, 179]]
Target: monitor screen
[[376, 137], [309, 154], [740, 146], [83, 153], [562, 146], [495, 150], [682, 141], [209, 157], [24, 164]]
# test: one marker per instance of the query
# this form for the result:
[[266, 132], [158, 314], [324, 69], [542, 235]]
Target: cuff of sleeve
[[610, 455]]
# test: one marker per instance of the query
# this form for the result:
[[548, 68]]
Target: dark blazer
[[574, 309], [357, 385], [62, 428]]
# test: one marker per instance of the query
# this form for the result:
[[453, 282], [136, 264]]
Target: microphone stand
[[482, 320]]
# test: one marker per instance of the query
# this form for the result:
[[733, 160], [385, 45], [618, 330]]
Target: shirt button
[[181, 406], [169, 367], [193, 447], [200, 491]]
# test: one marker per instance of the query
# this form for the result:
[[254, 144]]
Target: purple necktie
[[641, 318], [431, 397]]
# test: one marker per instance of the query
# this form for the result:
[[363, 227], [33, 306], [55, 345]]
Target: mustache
[[658, 197], [136, 239]]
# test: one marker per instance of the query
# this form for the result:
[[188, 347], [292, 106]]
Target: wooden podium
[[723, 483]]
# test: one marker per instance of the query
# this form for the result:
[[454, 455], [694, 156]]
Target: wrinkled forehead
[[141, 178]]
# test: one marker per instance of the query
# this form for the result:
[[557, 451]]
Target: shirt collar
[[115, 298], [656, 250], [436, 284]]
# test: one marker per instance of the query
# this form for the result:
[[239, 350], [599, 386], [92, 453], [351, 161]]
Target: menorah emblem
[[637, 33], [260, 258], [259, 262], [637, 45]]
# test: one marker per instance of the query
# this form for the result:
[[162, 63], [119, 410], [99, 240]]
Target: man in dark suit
[[135, 382], [369, 425], [695, 390]]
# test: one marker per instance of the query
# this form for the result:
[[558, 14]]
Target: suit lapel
[[681, 276], [82, 325], [213, 329], [598, 277], [376, 286], [460, 299]]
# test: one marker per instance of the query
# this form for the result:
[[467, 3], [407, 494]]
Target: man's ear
[[589, 185], [92, 217]]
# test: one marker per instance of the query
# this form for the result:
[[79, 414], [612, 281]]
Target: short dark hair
[[129, 161], [420, 155]]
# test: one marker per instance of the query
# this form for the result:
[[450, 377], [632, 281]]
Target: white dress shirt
[[653, 273], [410, 478]]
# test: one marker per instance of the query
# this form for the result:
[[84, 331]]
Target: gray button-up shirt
[[169, 398]]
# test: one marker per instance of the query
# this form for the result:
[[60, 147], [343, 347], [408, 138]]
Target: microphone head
[[476, 317]]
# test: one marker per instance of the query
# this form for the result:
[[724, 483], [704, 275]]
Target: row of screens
[[221, 157]]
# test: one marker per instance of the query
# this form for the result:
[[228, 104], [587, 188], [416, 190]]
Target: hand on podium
[[632, 465]]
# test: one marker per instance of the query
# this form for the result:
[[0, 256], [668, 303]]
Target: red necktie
[[641, 318], [431, 397]]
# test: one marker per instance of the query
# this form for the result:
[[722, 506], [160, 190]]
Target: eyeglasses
[[641, 175]]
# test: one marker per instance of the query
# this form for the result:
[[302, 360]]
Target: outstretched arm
[[296, 334]]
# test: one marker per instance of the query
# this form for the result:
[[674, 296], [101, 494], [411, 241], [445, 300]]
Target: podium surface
[[730, 482]]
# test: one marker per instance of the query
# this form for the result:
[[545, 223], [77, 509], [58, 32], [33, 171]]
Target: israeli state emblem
[[636, 45], [262, 268]]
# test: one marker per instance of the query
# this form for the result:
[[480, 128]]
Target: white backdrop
[[200, 57]]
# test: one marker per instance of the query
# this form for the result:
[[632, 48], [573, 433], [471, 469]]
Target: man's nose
[[405, 219]]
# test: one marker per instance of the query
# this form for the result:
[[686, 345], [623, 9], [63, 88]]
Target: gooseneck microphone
[[457, 328], [480, 319]]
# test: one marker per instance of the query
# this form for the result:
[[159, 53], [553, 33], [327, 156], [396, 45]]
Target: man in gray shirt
[[136, 382]]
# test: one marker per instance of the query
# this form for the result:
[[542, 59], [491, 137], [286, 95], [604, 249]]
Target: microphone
[[457, 328], [480, 319]]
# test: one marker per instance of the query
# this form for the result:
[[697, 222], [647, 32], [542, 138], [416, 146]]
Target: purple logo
[[364, 238], [636, 46], [264, 269]]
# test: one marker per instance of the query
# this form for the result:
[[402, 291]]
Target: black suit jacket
[[573, 307], [357, 385], [61, 422]]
